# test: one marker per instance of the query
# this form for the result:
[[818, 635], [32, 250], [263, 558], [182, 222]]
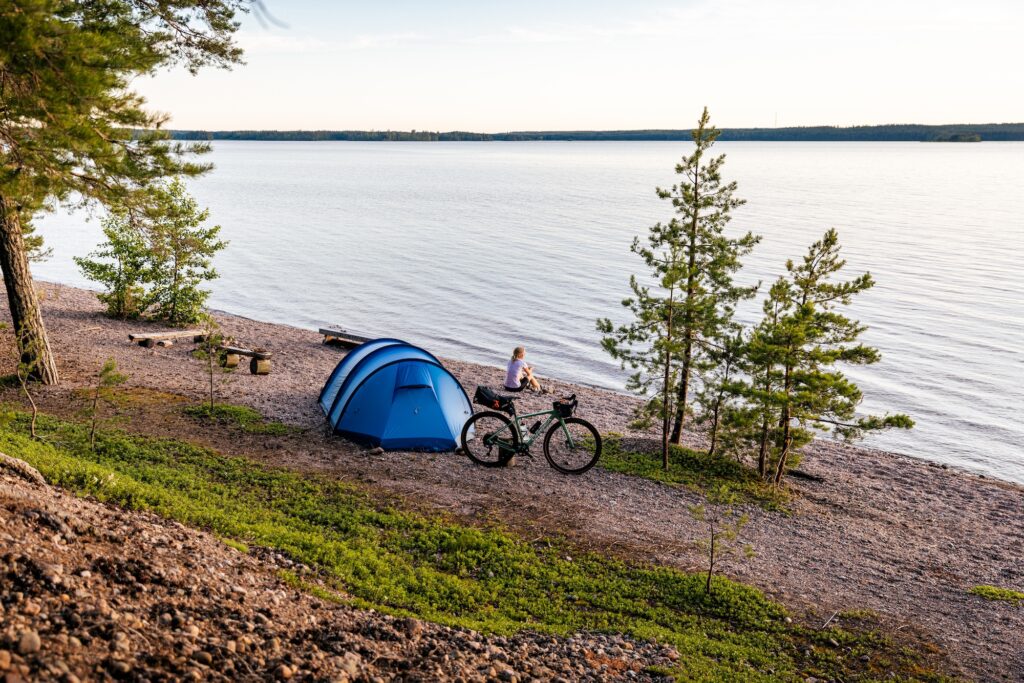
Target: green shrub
[[1000, 594]]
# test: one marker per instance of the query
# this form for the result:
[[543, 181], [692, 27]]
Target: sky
[[490, 66]]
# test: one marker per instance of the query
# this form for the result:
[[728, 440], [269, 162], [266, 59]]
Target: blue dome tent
[[391, 394]]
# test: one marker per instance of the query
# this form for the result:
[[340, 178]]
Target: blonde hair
[[518, 352]]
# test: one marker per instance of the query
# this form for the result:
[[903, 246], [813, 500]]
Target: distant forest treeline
[[894, 133]]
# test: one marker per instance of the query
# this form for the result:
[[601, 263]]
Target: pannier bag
[[566, 407], [487, 397]]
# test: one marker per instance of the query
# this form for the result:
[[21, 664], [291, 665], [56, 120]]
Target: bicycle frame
[[526, 442]]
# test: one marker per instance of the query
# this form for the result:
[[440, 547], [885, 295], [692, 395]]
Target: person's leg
[[531, 381]]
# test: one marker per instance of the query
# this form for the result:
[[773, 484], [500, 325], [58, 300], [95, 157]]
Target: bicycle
[[571, 444]]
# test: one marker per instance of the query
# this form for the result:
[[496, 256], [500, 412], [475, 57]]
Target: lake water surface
[[470, 249]]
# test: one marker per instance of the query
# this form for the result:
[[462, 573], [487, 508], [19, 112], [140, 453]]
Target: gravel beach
[[880, 531]]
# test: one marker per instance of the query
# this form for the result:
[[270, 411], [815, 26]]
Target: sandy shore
[[881, 531]]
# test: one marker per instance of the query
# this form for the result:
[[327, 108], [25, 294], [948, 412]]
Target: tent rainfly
[[391, 394]]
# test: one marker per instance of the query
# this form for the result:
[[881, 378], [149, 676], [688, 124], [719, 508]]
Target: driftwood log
[[258, 365], [151, 339], [341, 337]]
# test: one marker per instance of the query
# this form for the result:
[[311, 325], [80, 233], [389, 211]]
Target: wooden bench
[[258, 365], [342, 337], [151, 339]]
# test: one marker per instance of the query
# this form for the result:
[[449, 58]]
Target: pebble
[[119, 667], [203, 657], [5, 659], [284, 672], [29, 643]]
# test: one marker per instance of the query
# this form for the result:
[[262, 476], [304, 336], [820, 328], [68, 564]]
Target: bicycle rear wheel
[[490, 439], [573, 446]]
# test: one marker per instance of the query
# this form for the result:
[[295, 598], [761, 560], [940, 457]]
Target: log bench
[[341, 337], [259, 363], [151, 339]]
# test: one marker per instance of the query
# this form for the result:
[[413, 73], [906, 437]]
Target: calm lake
[[470, 249]]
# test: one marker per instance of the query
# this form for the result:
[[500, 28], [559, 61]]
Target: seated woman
[[520, 375]]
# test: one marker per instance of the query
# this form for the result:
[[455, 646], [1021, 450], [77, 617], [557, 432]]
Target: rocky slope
[[92, 592]]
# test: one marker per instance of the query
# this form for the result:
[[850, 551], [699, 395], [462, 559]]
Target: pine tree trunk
[[666, 387], [762, 450], [22, 299], [691, 289], [714, 426], [784, 455], [784, 429], [684, 390], [716, 415]]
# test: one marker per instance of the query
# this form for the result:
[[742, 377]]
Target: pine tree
[[71, 129], [103, 392], [794, 351], [123, 266], [181, 249], [692, 296], [650, 344], [708, 296]]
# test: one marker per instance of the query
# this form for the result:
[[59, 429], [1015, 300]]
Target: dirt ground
[[880, 531]]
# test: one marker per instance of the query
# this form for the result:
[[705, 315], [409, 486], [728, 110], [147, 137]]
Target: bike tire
[[478, 450], [589, 459]]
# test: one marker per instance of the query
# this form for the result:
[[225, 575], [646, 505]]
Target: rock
[[21, 469], [412, 627], [29, 643], [350, 663], [203, 657], [5, 660], [284, 672], [376, 451], [119, 668]]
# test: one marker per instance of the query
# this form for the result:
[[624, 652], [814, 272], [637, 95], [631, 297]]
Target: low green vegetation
[[408, 563], [246, 419], [999, 594], [695, 470]]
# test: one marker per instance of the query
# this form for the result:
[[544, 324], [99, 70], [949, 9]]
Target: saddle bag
[[487, 397]]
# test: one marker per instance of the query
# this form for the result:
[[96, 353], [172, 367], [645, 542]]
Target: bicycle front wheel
[[572, 446], [489, 439]]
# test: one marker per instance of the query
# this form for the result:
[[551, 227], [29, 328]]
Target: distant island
[[961, 132]]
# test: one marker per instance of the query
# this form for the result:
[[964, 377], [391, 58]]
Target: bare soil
[[880, 531]]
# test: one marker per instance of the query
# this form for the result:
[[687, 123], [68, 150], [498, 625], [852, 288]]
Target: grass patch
[[999, 594], [237, 545], [246, 419], [407, 563], [693, 469]]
